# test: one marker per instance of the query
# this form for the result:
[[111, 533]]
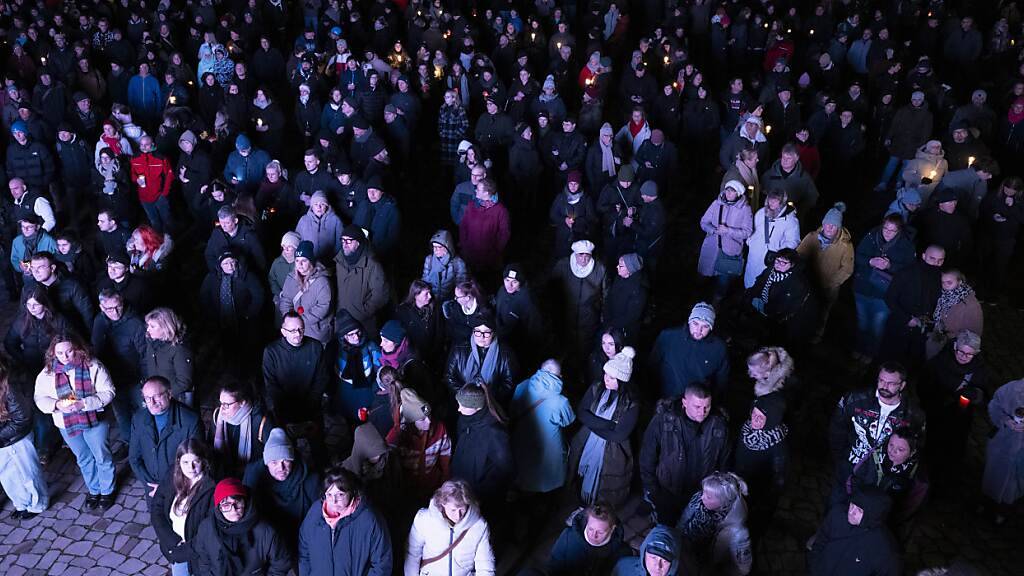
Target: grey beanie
[[649, 188], [278, 447], [291, 239], [471, 396], [633, 262], [835, 215], [703, 312]]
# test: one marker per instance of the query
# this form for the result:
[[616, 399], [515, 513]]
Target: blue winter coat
[[900, 253], [350, 398], [382, 220], [358, 545], [248, 169], [144, 96], [539, 413], [678, 360], [662, 537]]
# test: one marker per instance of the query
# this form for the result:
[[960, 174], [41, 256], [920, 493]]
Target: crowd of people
[[217, 212]]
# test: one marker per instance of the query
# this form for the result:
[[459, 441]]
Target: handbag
[[726, 264]]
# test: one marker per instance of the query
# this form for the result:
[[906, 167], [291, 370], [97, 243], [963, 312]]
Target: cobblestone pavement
[[68, 540]]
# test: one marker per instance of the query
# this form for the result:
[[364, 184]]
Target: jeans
[[159, 214], [21, 477], [890, 170], [179, 569], [126, 400], [872, 314], [94, 460], [43, 433]]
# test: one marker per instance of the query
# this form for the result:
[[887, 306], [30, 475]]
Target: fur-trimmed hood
[[781, 369]]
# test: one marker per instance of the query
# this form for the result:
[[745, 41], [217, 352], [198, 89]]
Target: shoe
[[107, 501], [26, 515], [17, 514], [92, 501]]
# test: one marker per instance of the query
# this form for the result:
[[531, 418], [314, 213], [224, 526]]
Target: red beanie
[[227, 488]]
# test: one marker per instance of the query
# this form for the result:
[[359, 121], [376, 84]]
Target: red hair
[[151, 239]]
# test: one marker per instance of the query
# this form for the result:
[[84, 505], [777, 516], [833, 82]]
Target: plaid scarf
[[76, 422]]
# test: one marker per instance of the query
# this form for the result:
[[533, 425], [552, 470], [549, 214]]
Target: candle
[[970, 160], [666, 60], [812, 32], [675, 85], [768, 129], [533, 36], [172, 99], [932, 174], [259, 122], [43, 59], [438, 72], [558, 45], [789, 30], [964, 401], [191, 83]]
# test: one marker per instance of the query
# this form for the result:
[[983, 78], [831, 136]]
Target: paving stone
[[125, 544], [106, 541], [155, 571], [98, 571], [61, 542], [125, 515], [48, 559], [131, 566], [114, 527], [110, 559], [83, 562], [139, 549], [22, 547], [58, 569], [28, 560]]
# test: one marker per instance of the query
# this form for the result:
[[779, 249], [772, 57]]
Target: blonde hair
[[729, 489], [169, 323], [454, 492]]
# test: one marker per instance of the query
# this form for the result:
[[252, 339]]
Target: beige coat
[[829, 267]]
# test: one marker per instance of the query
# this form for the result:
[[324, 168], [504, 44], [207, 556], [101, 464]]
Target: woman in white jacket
[[75, 388], [775, 227], [449, 536]]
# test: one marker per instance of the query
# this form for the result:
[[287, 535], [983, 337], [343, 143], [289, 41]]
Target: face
[[788, 161], [42, 270], [934, 257], [933, 148], [889, 231], [598, 531], [293, 331], [621, 269], [353, 337], [336, 501], [711, 501], [280, 469], [483, 336], [349, 246], [608, 345], [583, 260], [964, 353], [35, 308], [898, 450], [310, 162], [830, 230], [511, 285], [228, 265], [697, 409], [29, 229], [156, 398], [611, 382], [228, 224], [374, 194], [854, 514], [63, 352], [950, 281], [758, 419], [890, 385], [191, 466], [656, 565], [423, 298], [232, 508], [699, 330], [782, 265], [229, 405], [773, 203], [17, 188], [454, 511]]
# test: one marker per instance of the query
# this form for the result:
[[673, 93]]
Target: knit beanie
[[735, 185], [471, 396], [278, 447], [305, 250], [549, 82], [354, 232], [392, 330], [626, 173], [413, 407], [19, 126], [242, 143], [703, 312], [620, 366], [291, 239], [835, 215], [574, 176], [188, 136], [910, 196], [649, 189], [633, 262], [228, 488]]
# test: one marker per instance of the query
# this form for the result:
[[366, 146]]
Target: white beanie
[[583, 247], [620, 366], [291, 239], [278, 447], [735, 185], [703, 312]]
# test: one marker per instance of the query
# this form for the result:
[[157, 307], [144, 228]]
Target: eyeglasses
[[155, 397], [335, 496], [113, 308], [483, 333], [961, 352], [224, 405], [228, 505], [291, 330], [349, 241]]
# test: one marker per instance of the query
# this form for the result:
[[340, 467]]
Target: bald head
[[934, 256]]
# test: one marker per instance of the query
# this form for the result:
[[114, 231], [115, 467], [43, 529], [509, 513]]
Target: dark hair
[[293, 315], [238, 390], [986, 164], [698, 390], [472, 288], [1014, 183], [415, 287], [80, 350], [344, 480], [908, 433], [110, 294], [894, 219], [159, 380], [602, 511], [184, 489], [893, 367], [790, 148], [44, 255]]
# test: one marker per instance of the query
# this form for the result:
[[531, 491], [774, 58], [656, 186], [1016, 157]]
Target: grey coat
[[314, 303]]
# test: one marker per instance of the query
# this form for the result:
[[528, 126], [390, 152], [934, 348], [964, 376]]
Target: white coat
[[431, 535], [782, 232]]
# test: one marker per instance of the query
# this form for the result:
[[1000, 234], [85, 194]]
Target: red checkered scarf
[[76, 422]]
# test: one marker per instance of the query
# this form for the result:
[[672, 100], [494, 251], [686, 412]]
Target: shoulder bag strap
[[721, 209], [447, 551]]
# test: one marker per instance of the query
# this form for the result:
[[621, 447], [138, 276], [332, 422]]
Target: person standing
[[362, 286], [119, 341], [74, 388], [181, 503], [153, 175], [20, 475], [828, 253], [307, 292], [684, 356], [1002, 482], [450, 530], [483, 454], [157, 431], [540, 413], [283, 485], [775, 227]]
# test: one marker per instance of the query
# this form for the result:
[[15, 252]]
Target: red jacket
[[152, 176], [483, 234]]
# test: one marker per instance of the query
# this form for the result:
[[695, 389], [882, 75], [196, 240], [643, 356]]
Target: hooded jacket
[[777, 374], [868, 549], [312, 303], [664, 539], [925, 165], [573, 555], [443, 274], [740, 220], [432, 534], [323, 231], [540, 413], [248, 295]]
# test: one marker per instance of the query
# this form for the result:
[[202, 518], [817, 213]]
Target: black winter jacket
[[172, 546], [501, 385], [295, 378], [244, 243], [677, 453], [151, 453], [358, 544], [18, 423], [32, 162], [483, 456], [261, 549], [76, 163], [121, 346]]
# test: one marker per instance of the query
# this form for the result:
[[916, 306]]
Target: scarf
[[76, 422], [397, 357], [227, 302], [243, 420], [470, 310], [607, 156], [578, 271], [825, 241], [635, 128], [592, 457], [773, 277], [354, 370], [112, 142], [236, 539], [703, 523], [331, 519], [353, 258], [759, 440], [948, 299], [748, 175], [486, 369], [287, 493]]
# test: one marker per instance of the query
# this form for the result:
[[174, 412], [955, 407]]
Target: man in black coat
[[28, 159], [483, 357], [111, 237], [483, 454], [238, 237], [517, 316], [493, 130], [854, 539], [313, 178], [134, 290], [76, 164], [911, 299], [944, 226], [119, 341], [194, 169], [684, 442], [157, 430], [569, 149], [283, 486], [656, 160], [71, 298]]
